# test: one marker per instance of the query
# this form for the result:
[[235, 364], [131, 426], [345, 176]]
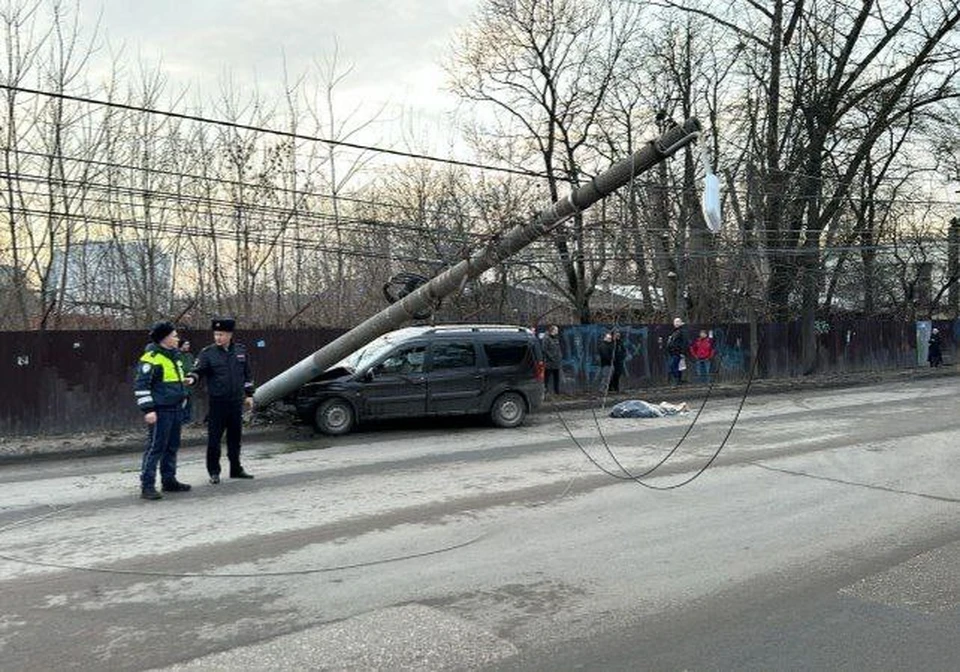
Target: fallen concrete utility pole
[[429, 294]]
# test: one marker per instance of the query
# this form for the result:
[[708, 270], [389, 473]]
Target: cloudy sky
[[395, 46]]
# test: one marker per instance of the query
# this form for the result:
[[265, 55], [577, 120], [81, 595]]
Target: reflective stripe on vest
[[172, 372]]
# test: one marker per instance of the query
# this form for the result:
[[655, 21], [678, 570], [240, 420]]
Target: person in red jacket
[[702, 351]]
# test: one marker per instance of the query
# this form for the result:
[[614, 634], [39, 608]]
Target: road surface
[[824, 536]]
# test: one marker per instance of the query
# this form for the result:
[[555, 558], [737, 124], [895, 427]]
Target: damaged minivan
[[484, 370]]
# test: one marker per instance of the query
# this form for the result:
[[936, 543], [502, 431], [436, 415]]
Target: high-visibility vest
[[159, 380]]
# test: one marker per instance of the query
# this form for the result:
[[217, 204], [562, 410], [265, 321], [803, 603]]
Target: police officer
[[225, 366], [160, 393]]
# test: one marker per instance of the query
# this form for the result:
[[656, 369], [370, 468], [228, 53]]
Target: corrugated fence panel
[[67, 381]]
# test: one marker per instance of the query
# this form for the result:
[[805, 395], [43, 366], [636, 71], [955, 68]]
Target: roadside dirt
[[273, 425]]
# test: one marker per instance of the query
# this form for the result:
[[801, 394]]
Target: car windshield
[[368, 353]]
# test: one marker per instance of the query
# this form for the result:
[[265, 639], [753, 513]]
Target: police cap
[[223, 324], [160, 331]]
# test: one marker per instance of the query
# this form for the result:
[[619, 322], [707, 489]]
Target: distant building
[[109, 277]]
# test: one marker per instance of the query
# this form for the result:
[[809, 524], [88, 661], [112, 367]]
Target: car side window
[[508, 353], [454, 355], [403, 362]]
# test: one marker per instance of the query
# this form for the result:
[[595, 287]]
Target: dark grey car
[[495, 371]]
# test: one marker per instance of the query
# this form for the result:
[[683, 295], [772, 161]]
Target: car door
[[454, 381], [396, 386]]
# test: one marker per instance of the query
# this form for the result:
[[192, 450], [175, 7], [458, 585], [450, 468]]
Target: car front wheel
[[508, 410], [334, 416]]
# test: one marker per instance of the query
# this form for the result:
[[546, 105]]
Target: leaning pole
[[427, 295]]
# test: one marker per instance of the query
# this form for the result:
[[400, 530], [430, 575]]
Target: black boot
[[240, 474], [175, 486], [150, 493]]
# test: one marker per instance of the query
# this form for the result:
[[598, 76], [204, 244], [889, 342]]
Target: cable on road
[[842, 481], [637, 478], [223, 575]]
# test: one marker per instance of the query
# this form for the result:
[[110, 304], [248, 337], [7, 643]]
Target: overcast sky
[[395, 46]]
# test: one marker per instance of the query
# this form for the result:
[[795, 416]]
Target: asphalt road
[[824, 536]]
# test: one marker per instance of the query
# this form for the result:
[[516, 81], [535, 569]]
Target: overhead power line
[[265, 238], [272, 131]]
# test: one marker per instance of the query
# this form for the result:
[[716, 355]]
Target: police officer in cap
[[226, 368], [160, 394]]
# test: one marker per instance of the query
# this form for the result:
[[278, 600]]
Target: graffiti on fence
[[580, 369], [645, 357], [732, 353]]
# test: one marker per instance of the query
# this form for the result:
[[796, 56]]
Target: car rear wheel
[[334, 416], [508, 410]]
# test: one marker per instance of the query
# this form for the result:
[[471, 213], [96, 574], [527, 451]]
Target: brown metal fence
[[69, 381], [842, 347]]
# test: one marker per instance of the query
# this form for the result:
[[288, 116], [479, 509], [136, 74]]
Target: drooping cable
[[638, 479], [212, 575], [680, 441]]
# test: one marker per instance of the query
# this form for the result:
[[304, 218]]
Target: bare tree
[[54, 195], [832, 79], [544, 69], [22, 48], [341, 166]]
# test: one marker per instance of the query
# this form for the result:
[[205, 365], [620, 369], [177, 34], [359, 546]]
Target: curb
[[195, 436], [693, 392], [123, 446]]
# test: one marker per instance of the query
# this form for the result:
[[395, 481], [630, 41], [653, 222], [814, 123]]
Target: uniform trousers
[[224, 414], [163, 441]]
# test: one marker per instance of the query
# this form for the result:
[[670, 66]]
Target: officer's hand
[[248, 402], [150, 418]]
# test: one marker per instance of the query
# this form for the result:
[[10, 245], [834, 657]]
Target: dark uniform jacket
[[227, 371], [159, 381]]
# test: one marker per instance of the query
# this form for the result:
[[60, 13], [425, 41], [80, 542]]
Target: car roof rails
[[477, 328]]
